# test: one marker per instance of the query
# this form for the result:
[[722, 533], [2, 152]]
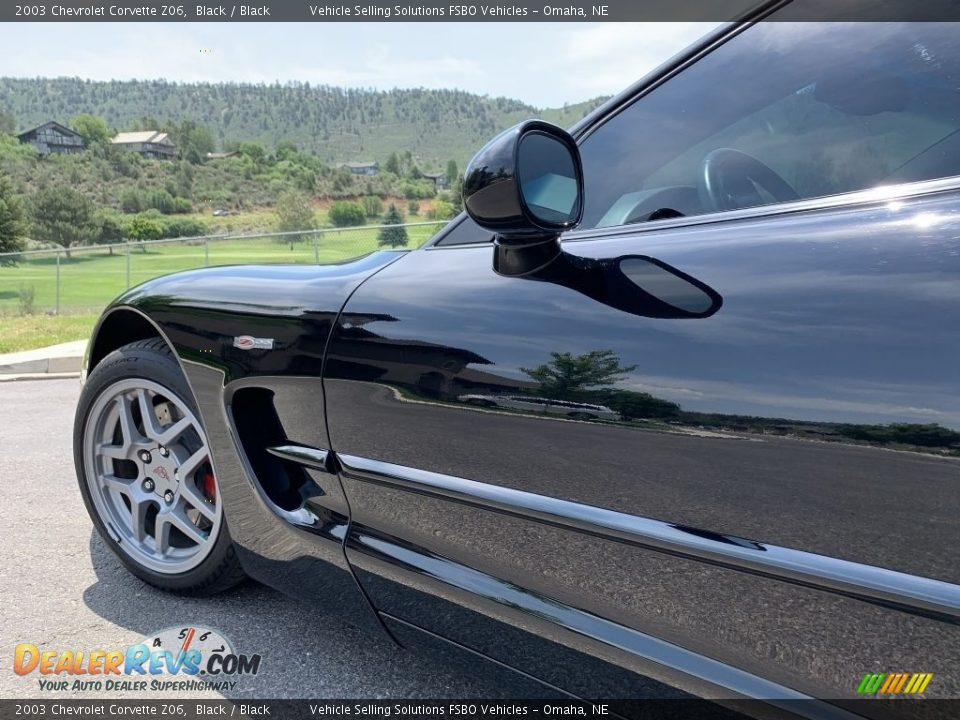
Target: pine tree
[[11, 221], [395, 236]]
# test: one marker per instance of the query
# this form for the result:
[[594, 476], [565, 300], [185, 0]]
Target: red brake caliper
[[209, 486]]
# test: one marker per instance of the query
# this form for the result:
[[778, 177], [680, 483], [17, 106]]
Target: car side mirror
[[526, 185]]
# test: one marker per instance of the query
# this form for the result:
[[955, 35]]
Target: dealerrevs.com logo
[[183, 658]]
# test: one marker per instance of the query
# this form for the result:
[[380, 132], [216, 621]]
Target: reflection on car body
[[575, 410]]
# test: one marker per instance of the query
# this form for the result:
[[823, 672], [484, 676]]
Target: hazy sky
[[544, 64]]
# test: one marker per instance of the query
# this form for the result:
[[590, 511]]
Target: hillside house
[[439, 179], [148, 143], [361, 168], [52, 137]]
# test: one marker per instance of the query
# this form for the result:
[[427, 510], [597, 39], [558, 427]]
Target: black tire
[[152, 360]]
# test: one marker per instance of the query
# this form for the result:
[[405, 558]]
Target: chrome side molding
[[911, 593]]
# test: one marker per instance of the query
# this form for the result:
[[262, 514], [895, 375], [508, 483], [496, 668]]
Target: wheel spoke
[[190, 465], [183, 524], [138, 517], [162, 534], [189, 493], [115, 452], [173, 431], [151, 426], [127, 427], [121, 485]]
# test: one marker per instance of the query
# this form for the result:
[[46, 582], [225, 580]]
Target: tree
[[109, 227], [132, 201], [11, 221], [346, 214], [285, 150], [568, 375], [62, 216], [453, 174], [372, 206], [93, 128], [294, 212], [929, 435], [456, 194], [393, 164], [253, 150], [8, 124], [631, 404], [441, 210], [395, 234], [193, 139], [143, 227]]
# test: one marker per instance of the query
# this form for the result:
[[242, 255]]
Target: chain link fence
[[84, 279]]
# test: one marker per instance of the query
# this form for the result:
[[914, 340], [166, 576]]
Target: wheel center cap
[[165, 477]]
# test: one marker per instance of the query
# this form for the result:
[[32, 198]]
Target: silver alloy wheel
[[146, 458]]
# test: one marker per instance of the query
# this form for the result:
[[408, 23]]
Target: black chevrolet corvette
[[673, 408]]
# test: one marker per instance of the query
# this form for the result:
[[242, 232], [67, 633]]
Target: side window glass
[[781, 112], [465, 232]]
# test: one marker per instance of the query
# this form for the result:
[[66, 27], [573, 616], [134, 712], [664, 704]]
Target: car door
[[775, 512]]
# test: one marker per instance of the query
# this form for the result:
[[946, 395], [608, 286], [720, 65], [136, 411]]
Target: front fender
[[290, 309]]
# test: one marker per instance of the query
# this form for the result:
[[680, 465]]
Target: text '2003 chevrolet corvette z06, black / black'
[[672, 409]]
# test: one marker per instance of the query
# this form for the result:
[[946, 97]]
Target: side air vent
[[255, 418]]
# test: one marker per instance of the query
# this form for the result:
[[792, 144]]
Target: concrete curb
[[63, 360], [38, 376]]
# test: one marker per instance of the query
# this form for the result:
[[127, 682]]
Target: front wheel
[[146, 474]]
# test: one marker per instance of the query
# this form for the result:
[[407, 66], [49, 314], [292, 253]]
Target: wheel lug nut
[[148, 485], [164, 452], [144, 456], [168, 496]]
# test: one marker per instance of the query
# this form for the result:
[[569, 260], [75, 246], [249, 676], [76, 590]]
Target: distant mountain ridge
[[336, 124]]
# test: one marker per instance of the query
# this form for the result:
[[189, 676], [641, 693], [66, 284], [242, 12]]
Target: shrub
[[294, 212], [418, 190], [132, 201], [347, 214], [441, 210], [184, 227], [372, 206], [25, 300], [413, 207], [161, 200], [144, 227]]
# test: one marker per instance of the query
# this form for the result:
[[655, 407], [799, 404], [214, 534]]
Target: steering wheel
[[730, 179]]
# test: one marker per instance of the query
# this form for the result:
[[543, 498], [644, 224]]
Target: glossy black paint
[[493, 192], [830, 319]]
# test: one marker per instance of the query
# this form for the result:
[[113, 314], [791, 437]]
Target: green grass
[[27, 332], [91, 279]]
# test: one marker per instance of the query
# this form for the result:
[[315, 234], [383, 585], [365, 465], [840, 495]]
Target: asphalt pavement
[[61, 589]]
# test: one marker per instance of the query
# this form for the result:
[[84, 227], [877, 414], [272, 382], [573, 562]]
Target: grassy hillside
[[335, 124], [290, 139]]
